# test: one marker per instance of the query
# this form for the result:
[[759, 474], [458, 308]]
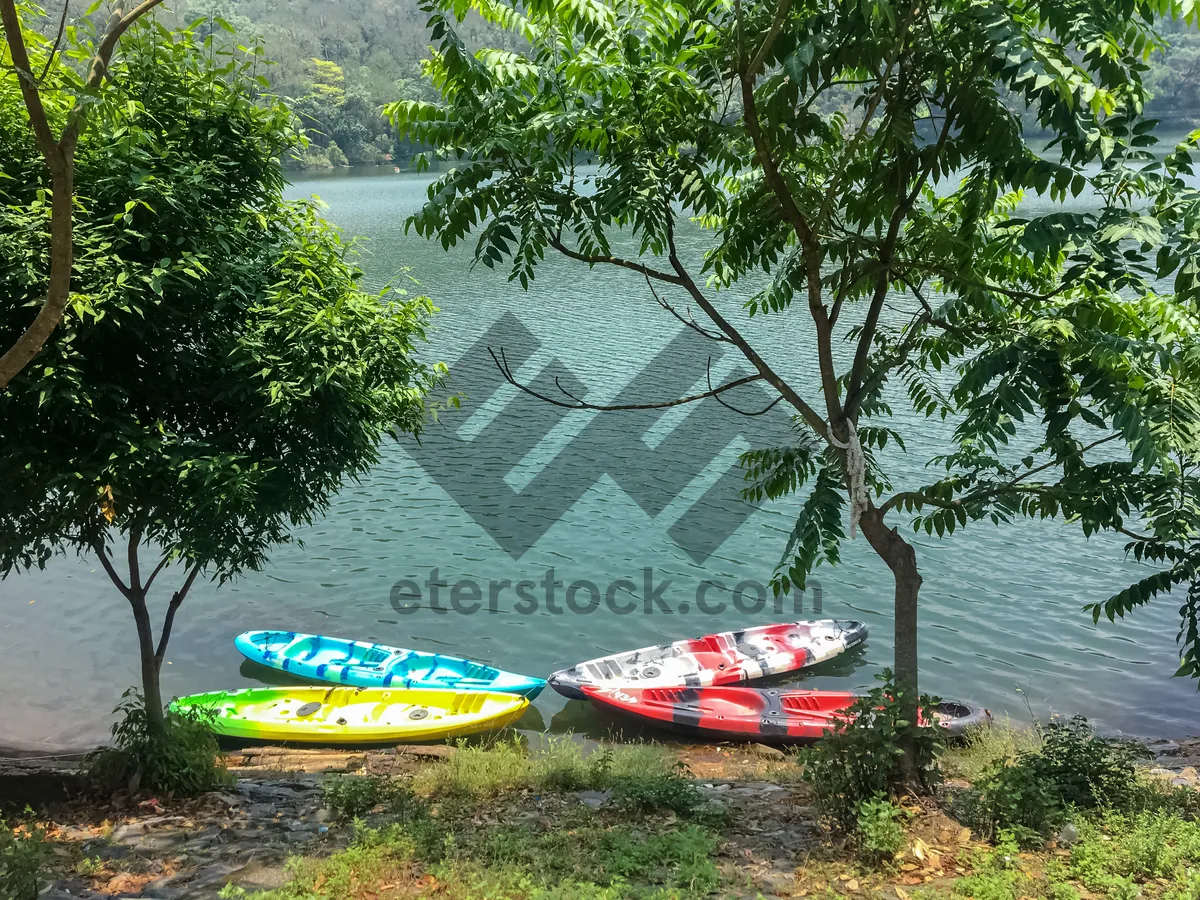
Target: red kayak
[[778, 715]]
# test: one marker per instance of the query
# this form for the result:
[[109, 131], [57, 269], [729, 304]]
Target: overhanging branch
[[501, 362]]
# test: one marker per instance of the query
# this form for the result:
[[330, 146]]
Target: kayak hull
[[773, 715], [716, 659], [730, 713], [347, 715], [363, 664]]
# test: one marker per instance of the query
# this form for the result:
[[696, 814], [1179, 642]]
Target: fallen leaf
[[902, 893], [910, 880], [964, 835], [852, 884]]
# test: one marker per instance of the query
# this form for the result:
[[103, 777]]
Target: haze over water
[[1000, 607]]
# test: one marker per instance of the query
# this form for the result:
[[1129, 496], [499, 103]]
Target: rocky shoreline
[[190, 849]]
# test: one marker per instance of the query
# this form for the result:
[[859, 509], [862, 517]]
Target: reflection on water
[[1001, 606]]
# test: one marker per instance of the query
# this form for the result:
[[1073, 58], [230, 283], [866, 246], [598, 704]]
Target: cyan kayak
[[362, 664]]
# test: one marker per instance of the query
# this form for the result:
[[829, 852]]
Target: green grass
[[982, 747], [499, 822], [588, 858], [561, 764], [1115, 853]]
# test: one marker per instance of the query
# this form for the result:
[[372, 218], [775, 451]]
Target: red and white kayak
[[770, 715], [724, 658]]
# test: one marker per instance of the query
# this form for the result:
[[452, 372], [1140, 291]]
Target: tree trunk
[[901, 558], [151, 693]]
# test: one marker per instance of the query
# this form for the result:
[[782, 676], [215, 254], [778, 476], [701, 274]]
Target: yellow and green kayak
[[347, 715]]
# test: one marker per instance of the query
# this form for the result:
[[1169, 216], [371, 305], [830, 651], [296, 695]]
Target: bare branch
[[741, 412], [644, 271], [117, 26], [577, 403], [810, 415], [686, 320], [62, 27], [135, 575], [883, 278]]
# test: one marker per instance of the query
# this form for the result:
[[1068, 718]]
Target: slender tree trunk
[[150, 653], [151, 692], [901, 558]]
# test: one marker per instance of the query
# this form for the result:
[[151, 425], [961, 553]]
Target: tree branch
[[59, 156], [135, 575], [644, 271], [169, 620], [991, 490], [883, 278], [28, 84], [741, 412], [161, 564], [686, 320], [769, 41], [108, 567], [577, 403], [810, 415], [62, 27]]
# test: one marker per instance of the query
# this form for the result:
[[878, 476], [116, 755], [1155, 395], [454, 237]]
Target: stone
[[1163, 748], [593, 799], [427, 751], [298, 837], [767, 752], [157, 843], [259, 876], [111, 851], [217, 873]]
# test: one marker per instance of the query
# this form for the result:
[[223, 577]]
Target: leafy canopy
[[219, 373], [861, 159]]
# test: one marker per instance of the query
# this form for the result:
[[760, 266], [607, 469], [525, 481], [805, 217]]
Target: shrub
[[21, 857], [880, 834], [1034, 793], [864, 759], [182, 761], [652, 791], [349, 797]]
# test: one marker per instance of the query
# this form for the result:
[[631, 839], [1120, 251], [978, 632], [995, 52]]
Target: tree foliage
[[1059, 345], [219, 374]]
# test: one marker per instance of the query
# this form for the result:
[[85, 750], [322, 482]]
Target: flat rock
[[767, 752], [1163, 748], [427, 751], [259, 876]]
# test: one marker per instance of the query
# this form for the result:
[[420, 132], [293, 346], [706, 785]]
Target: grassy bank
[[1062, 816], [501, 822]]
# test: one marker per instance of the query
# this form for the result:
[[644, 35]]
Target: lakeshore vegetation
[[192, 367]]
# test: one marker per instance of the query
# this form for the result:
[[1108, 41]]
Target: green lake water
[[511, 487]]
